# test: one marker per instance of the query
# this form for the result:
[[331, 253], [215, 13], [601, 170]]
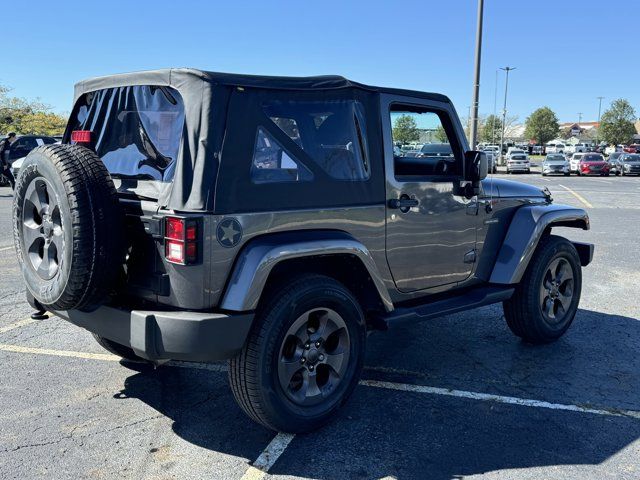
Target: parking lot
[[451, 398]]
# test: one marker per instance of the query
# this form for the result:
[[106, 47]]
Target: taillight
[[81, 136], [181, 240]]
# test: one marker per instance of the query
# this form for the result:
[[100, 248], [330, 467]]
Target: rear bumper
[[168, 335]]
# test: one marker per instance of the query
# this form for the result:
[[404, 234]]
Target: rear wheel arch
[[272, 259]]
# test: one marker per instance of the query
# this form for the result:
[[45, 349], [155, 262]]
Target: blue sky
[[566, 53]]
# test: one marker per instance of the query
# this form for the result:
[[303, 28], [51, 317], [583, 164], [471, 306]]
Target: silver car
[[555, 163]]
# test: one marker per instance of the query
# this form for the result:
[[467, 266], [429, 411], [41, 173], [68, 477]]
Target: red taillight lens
[[175, 228], [181, 240], [81, 136]]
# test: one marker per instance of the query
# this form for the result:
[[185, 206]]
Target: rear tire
[[290, 384], [546, 300], [119, 350]]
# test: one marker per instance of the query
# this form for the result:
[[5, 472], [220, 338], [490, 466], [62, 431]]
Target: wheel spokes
[[30, 233], [38, 196], [335, 361]]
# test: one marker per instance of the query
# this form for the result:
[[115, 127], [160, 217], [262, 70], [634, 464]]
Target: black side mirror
[[476, 166]]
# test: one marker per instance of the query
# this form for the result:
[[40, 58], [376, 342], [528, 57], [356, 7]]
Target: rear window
[[135, 130]]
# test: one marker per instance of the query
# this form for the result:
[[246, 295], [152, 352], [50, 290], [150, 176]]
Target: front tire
[[303, 357], [546, 300]]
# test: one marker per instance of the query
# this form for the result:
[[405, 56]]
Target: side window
[[423, 144], [272, 164], [331, 132]]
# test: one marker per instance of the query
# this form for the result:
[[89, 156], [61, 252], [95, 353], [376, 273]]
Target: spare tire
[[68, 227]]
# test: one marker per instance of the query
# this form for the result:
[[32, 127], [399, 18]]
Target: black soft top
[[205, 96], [172, 75]]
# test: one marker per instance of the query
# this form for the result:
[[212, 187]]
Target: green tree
[[441, 135], [616, 124], [405, 129], [491, 130], [542, 125], [28, 116]]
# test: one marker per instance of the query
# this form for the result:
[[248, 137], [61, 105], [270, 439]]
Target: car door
[[430, 225]]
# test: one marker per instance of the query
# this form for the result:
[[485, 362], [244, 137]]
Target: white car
[[555, 148], [518, 161], [574, 162], [577, 148]]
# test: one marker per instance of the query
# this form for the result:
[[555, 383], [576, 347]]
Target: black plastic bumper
[[168, 335]]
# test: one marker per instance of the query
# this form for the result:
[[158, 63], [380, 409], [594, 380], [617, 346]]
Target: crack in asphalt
[[71, 435]]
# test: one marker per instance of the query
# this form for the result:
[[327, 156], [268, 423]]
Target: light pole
[[579, 118], [473, 134], [599, 111], [495, 106], [504, 111]]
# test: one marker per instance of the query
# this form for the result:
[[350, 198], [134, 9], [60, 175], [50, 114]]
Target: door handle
[[404, 203]]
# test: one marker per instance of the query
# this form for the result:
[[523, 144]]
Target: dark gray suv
[[203, 216]]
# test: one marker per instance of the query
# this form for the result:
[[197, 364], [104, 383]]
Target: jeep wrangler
[[273, 222]]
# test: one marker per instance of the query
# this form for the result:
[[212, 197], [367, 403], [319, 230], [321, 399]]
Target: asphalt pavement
[[456, 397]]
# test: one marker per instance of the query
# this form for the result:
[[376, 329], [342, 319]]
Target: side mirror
[[476, 166]]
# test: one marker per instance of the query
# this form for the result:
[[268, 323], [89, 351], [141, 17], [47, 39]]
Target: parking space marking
[[18, 324], [577, 195], [268, 457], [58, 353], [499, 399], [2, 249]]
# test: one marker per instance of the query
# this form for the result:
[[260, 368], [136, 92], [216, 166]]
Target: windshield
[[592, 158], [555, 158], [631, 158], [436, 149]]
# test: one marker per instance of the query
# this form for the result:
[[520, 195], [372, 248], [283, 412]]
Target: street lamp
[[473, 133], [599, 111], [504, 111]]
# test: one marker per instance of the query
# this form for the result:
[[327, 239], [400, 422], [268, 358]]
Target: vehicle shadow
[[412, 435]]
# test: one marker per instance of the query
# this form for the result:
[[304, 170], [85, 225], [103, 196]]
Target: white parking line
[[499, 399], [268, 457], [578, 196], [2, 249]]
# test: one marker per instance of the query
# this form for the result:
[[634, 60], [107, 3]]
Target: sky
[[565, 53]]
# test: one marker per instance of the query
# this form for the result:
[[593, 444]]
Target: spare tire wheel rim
[[314, 356], [42, 228]]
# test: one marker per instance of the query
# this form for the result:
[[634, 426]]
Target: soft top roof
[[185, 76]]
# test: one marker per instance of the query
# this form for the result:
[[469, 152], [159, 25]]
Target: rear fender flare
[[527, 227], [258, 258]]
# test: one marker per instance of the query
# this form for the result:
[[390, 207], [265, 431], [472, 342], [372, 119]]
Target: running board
[[475, 298]]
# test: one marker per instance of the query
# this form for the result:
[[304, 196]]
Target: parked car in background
[[555, 163], [629, 164], [537, 150], [577, 148], [633, 148], [614, 163], [21, 148], [593, 164], [518, 161], [574, 162], [555, 148], [491, 161]]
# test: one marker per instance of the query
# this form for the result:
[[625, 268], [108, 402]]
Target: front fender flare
[[527, 227], [258, 258]]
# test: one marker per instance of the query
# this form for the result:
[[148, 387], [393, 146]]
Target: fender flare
[[258, 258], [527, 227]]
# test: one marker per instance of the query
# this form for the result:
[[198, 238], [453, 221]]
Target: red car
[[633, 148], [593, 164]]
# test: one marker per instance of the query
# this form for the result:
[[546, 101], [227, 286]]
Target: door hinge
[[470, 257]]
